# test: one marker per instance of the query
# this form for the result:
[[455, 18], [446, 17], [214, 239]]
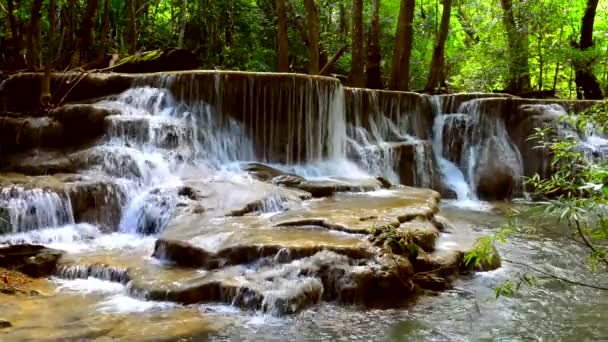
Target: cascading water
[[24, 210], [453, 177]]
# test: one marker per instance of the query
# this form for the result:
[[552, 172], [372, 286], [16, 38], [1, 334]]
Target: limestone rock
[[33, 260], [498, 171]]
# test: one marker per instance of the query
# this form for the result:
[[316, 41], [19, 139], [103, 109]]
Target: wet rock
[[33, 260], [262, 172], [98, 271], [185, 254], [21, 92], [498, 178], [423, 232], [66, 126], [265, 205], [492, 260], [385, 183], [96, 202], [442, 224], [158, 60], [322, 223]]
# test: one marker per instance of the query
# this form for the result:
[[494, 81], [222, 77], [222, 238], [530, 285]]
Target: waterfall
[[452, 176], [22, 210]]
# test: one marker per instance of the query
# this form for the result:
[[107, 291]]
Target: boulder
[[33, 260], [66, 126], [499, 170]]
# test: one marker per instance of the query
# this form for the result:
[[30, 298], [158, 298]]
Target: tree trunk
[[313, 36], [402, 52], [374, 74], [437, 73], [343, 23], [16, 38], [182, 29], [33, 51], [105, 30], [282, 38], [519, 70], [587, 86], [86, 31], [45, 89], [357, 77], [132, 27]]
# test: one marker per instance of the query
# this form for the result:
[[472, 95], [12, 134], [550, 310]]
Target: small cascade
[[385, 132], [97, 271], [23, 210]]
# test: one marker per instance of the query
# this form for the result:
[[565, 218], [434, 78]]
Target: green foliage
[[241, 35], [394, 241]]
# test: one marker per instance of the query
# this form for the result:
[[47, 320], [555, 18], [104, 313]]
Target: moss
[[395, 241]]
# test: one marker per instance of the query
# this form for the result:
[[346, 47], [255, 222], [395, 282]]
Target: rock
[[485, 264], [423, 232], [5, 324], [97, 202], [385, 183], [33, 260], [185, 254], [498, 178], [66, 126], [158, 60], [21, 92]]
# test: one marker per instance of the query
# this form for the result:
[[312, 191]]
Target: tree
[[374, 73], [33, 49], [45, 90], [313, 36], [587, 85], [357, 76], [517, 36], [132, 29], [437, 73], [86, 34], [182, 24], [282, 37], [402, 52], [105, 30]]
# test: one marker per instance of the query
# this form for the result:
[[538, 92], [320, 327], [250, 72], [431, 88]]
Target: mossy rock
[[158, 60]]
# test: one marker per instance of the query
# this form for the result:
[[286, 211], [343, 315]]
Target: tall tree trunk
[[45, 89], [313, 36], [282, 38], [519, 69], [86, 31], [132, 27], [343, 23], [105, 30], [437, 73], [33, 51], [374, 74], [182, 29], [402, 52], [16, 38], [69, 43], [357, 77], [587, 86]]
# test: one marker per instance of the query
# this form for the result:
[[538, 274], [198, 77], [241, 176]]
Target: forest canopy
[[541, 47]]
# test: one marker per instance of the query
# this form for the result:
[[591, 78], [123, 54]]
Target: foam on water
[[88, 286], [121, 303]]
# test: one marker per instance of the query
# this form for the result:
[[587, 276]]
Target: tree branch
[[580, 232], [573, 282], [334, 59]]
